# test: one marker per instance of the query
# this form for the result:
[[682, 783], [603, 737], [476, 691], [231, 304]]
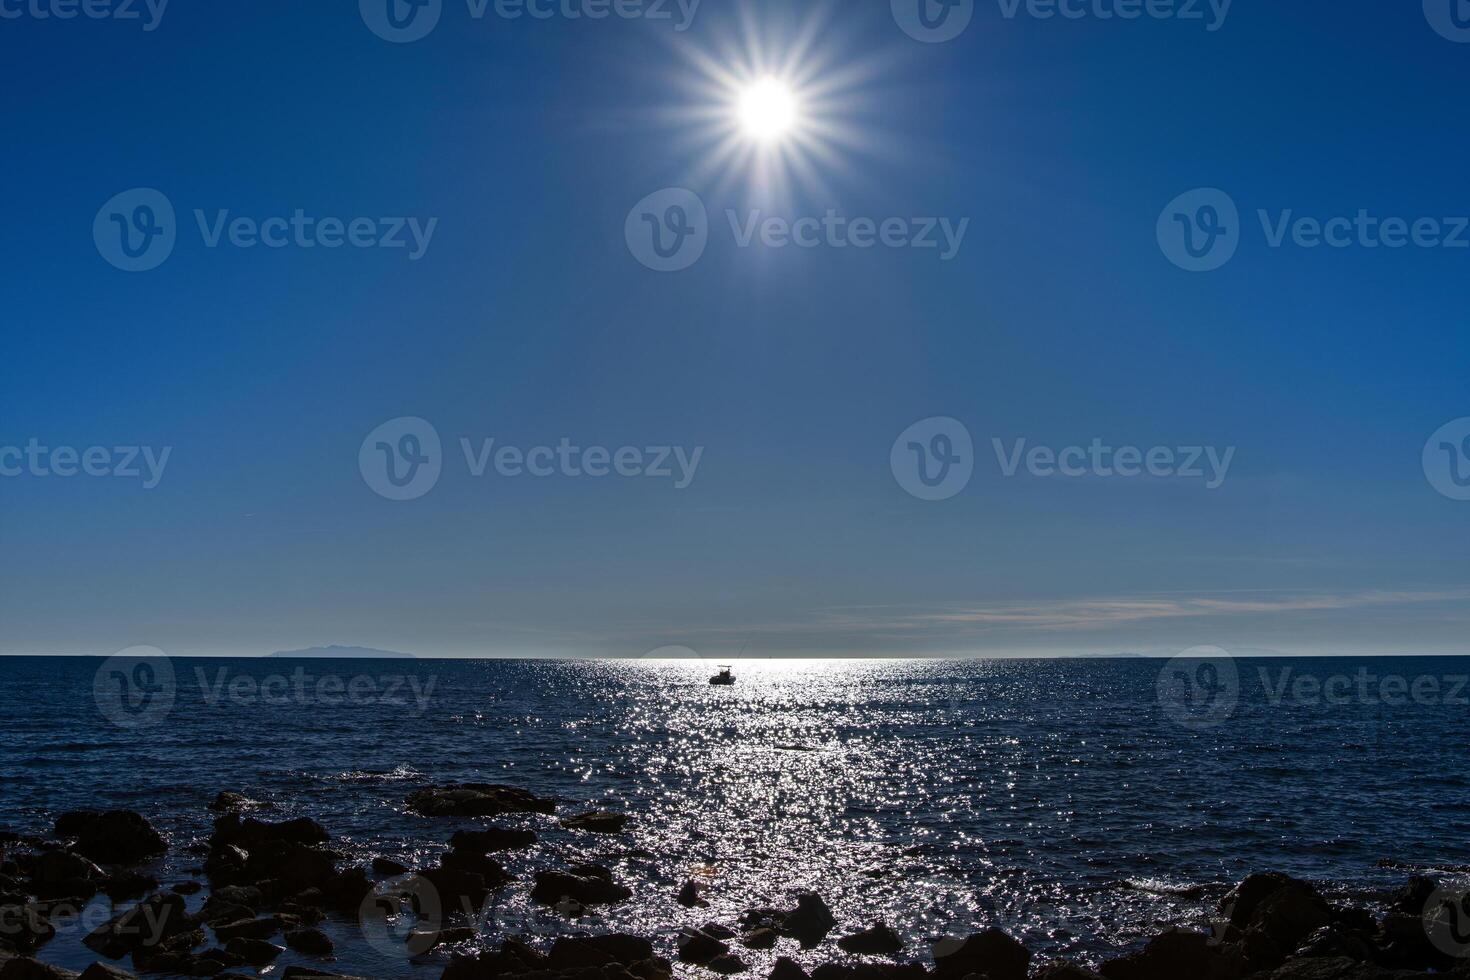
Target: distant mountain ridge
[[343, 653]]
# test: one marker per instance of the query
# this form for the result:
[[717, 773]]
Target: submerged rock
[[596, 821], [312, 942], [810, 921], [697, 946], [689, 896], [589, 884], [476, 800], [490, 839], [786, 968]]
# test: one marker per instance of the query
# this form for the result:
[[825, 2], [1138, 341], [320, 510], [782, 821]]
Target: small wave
[[1157, 886]]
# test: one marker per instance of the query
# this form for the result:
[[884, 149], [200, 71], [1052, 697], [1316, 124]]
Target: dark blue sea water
[[1079, 803]]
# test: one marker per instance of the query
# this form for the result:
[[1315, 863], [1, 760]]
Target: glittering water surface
[[1055, 798]]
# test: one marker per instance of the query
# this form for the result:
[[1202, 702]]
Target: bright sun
[[767, 110]]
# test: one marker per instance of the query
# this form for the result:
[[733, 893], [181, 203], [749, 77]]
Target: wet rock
[[25, 968], [249, 833], [51, 867], [588, 884], [1176, 954], [879, 940], [225, 801], [492, 839], [424, 938], [481, 864], [696, 946], [1336, 969], [1411, 897], [889, 971], [150, 923], [27, 927], [111, 836], [1284, 908], [105, 971], [689, 896], [833, 971], [596, 821], [343, 892], [511, 958], [476, 800], [129, 884], [1331, 942], [256, 952], [727, 964], [307, 973], [992, 954], [717, 930], [786, 968], [810, 921], [389, 868], [598, 951], [188, 888], [760, 938], [1067, 971], [261, 928], [455, 887], [312, 942]]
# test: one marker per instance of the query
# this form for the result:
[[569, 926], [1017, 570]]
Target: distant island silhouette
[[344, 653]]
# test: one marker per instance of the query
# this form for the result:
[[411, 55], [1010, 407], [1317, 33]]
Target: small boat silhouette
[[723, 677]]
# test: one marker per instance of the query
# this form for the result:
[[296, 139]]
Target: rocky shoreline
[[271, 885]]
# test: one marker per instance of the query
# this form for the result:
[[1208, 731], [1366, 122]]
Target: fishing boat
[[723, 677]]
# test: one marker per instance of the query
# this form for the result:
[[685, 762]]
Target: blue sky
[[528, 319]]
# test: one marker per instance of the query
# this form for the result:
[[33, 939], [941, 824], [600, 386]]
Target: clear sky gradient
[[528, 320]]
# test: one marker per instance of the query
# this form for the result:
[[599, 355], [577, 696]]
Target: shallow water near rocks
[[1058, 799]]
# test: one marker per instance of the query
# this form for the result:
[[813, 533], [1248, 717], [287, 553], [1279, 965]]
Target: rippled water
[[1057, 798]]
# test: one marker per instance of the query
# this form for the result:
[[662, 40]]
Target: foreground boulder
[[1179, 953], [476, 800], [25, 968], [111, 836], [1283, 908], [991, 954], [810, 921], [146, 926], [580, 958]]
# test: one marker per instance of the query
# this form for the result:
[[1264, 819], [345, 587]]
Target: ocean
[[1080, 804]]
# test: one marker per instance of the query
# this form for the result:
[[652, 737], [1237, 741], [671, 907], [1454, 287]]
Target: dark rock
[[696, 946], [129, 884], [992, 954], [345, 891], [833, 971], [425, 938], [27, 927], [876, 941], [486, 867], [51, 867], [1175, 954], [760, 938], [476, 800], [256, 952], [226, 800], [727, 964], [455, 887], [1411, 897], [492, 839], [262, 928], [596, 821], [146, 925], [307, 973], [511, 958], [594, 952], [1285, 908], [188, 888], [810, 921], [1331, 942], [250, 833], [587, 884], [105, 971], [786, 968], [689, 896], [388, 867], [112, 836], [888, 971], [1067, 971], [1336, 969], [312, 942], [718, 931], [25, 968]]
